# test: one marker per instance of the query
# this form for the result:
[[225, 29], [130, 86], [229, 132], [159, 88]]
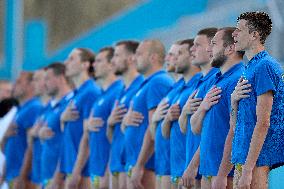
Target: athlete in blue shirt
[[150, 57], [16, 135], [32, 156], [159, 144], [170, 127], [50, 134], [213, 114], [257, 108], [124, 65], [94, 142], [201, 58], [86, 91]]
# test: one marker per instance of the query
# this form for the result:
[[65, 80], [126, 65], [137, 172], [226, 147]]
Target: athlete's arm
[[226, 166], [166, 128], [210, 100], [186, 111], [146, 152], [190, 173], [263, 112], [84, 151]]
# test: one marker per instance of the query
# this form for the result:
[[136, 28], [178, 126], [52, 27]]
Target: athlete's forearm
[[196, 121], [226, 165], [183, 119], [3, 143], [58, 177], [153, 127], [263, 112], [147, 149], [109, 133], [83, 154], [194, 163], [27, 163], [166, 128]]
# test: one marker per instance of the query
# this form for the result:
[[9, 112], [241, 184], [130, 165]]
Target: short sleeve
[[87, 103], [264, 79], [156, 92], [230, 89], [28, 118]]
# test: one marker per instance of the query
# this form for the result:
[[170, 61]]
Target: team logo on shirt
[[123, 99], [138, 93], [178, 101], [101, 102]]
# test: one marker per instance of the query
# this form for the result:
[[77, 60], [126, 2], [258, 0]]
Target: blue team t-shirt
[[51, 147], [117, 157], [151, 92], [192, 140], [162, 145], [264, 74], [98, 141], [216, 123], [177, 138], [36, 152], [84, 98], [24, 119]]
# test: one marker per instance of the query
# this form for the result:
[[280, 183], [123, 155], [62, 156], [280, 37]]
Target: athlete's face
[[5, 90], [242, 37], [51, 83], [183, 59], [217, 50], [171, 58], [102, 65], [199, 51], [21, 86], [39, 82], [119, 59], [73, 64], [142, 57]]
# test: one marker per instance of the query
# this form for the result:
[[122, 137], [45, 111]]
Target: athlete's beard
[[181, 70], [219, 60], [120, 71]]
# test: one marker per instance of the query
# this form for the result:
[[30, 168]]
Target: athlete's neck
[[108, 80], [29, 95], [190, 73], [174, 75], [129, 76], [44, 99], [63, 90], [205, 68], [252, 51], [80, 79], [155, 68], [231, 61]]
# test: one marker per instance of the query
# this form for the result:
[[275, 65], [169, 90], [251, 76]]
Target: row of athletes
[[208, 120]]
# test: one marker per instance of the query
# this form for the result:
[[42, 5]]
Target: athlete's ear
[[230, 49], [255, 35], [131, 59]]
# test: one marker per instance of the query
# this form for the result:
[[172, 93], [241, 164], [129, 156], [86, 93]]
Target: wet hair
[[188, 42], [58, 68], [228, 38], [110, 52], [258, 21], [89, 56], [208, 32], [129, 45]]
